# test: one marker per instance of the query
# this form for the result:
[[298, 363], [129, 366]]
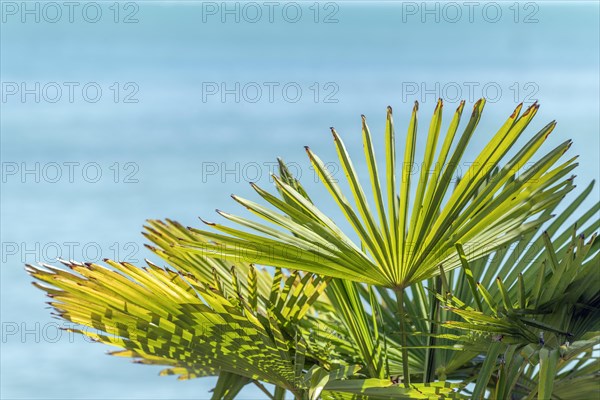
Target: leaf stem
[[402, 319], [264, 389], [429, 371]]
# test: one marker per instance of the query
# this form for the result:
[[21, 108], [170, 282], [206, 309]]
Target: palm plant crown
[[389, 316]]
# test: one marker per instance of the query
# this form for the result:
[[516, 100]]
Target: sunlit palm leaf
[[492, 205], [162, 317]]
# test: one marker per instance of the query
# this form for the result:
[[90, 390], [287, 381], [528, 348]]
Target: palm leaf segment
[[490, 206]]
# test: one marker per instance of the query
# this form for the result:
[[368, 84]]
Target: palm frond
[[158, 316], [545, 314], [492, 205]]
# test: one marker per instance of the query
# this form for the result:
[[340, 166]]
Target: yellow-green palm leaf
[[159, 316], [405, 238]]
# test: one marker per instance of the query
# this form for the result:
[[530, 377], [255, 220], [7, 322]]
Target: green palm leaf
[[545, 316], [158, 316], [491, 206]]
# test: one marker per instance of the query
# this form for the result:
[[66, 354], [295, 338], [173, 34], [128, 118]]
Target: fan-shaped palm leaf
[[489, 207]]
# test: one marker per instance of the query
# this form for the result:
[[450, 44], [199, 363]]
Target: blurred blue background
[[113, 113]]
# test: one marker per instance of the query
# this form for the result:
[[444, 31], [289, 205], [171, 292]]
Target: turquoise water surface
[[113, 113]]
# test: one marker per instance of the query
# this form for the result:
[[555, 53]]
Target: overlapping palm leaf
[[340, 329], [535, 301], [212, 318], [162, 317]]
